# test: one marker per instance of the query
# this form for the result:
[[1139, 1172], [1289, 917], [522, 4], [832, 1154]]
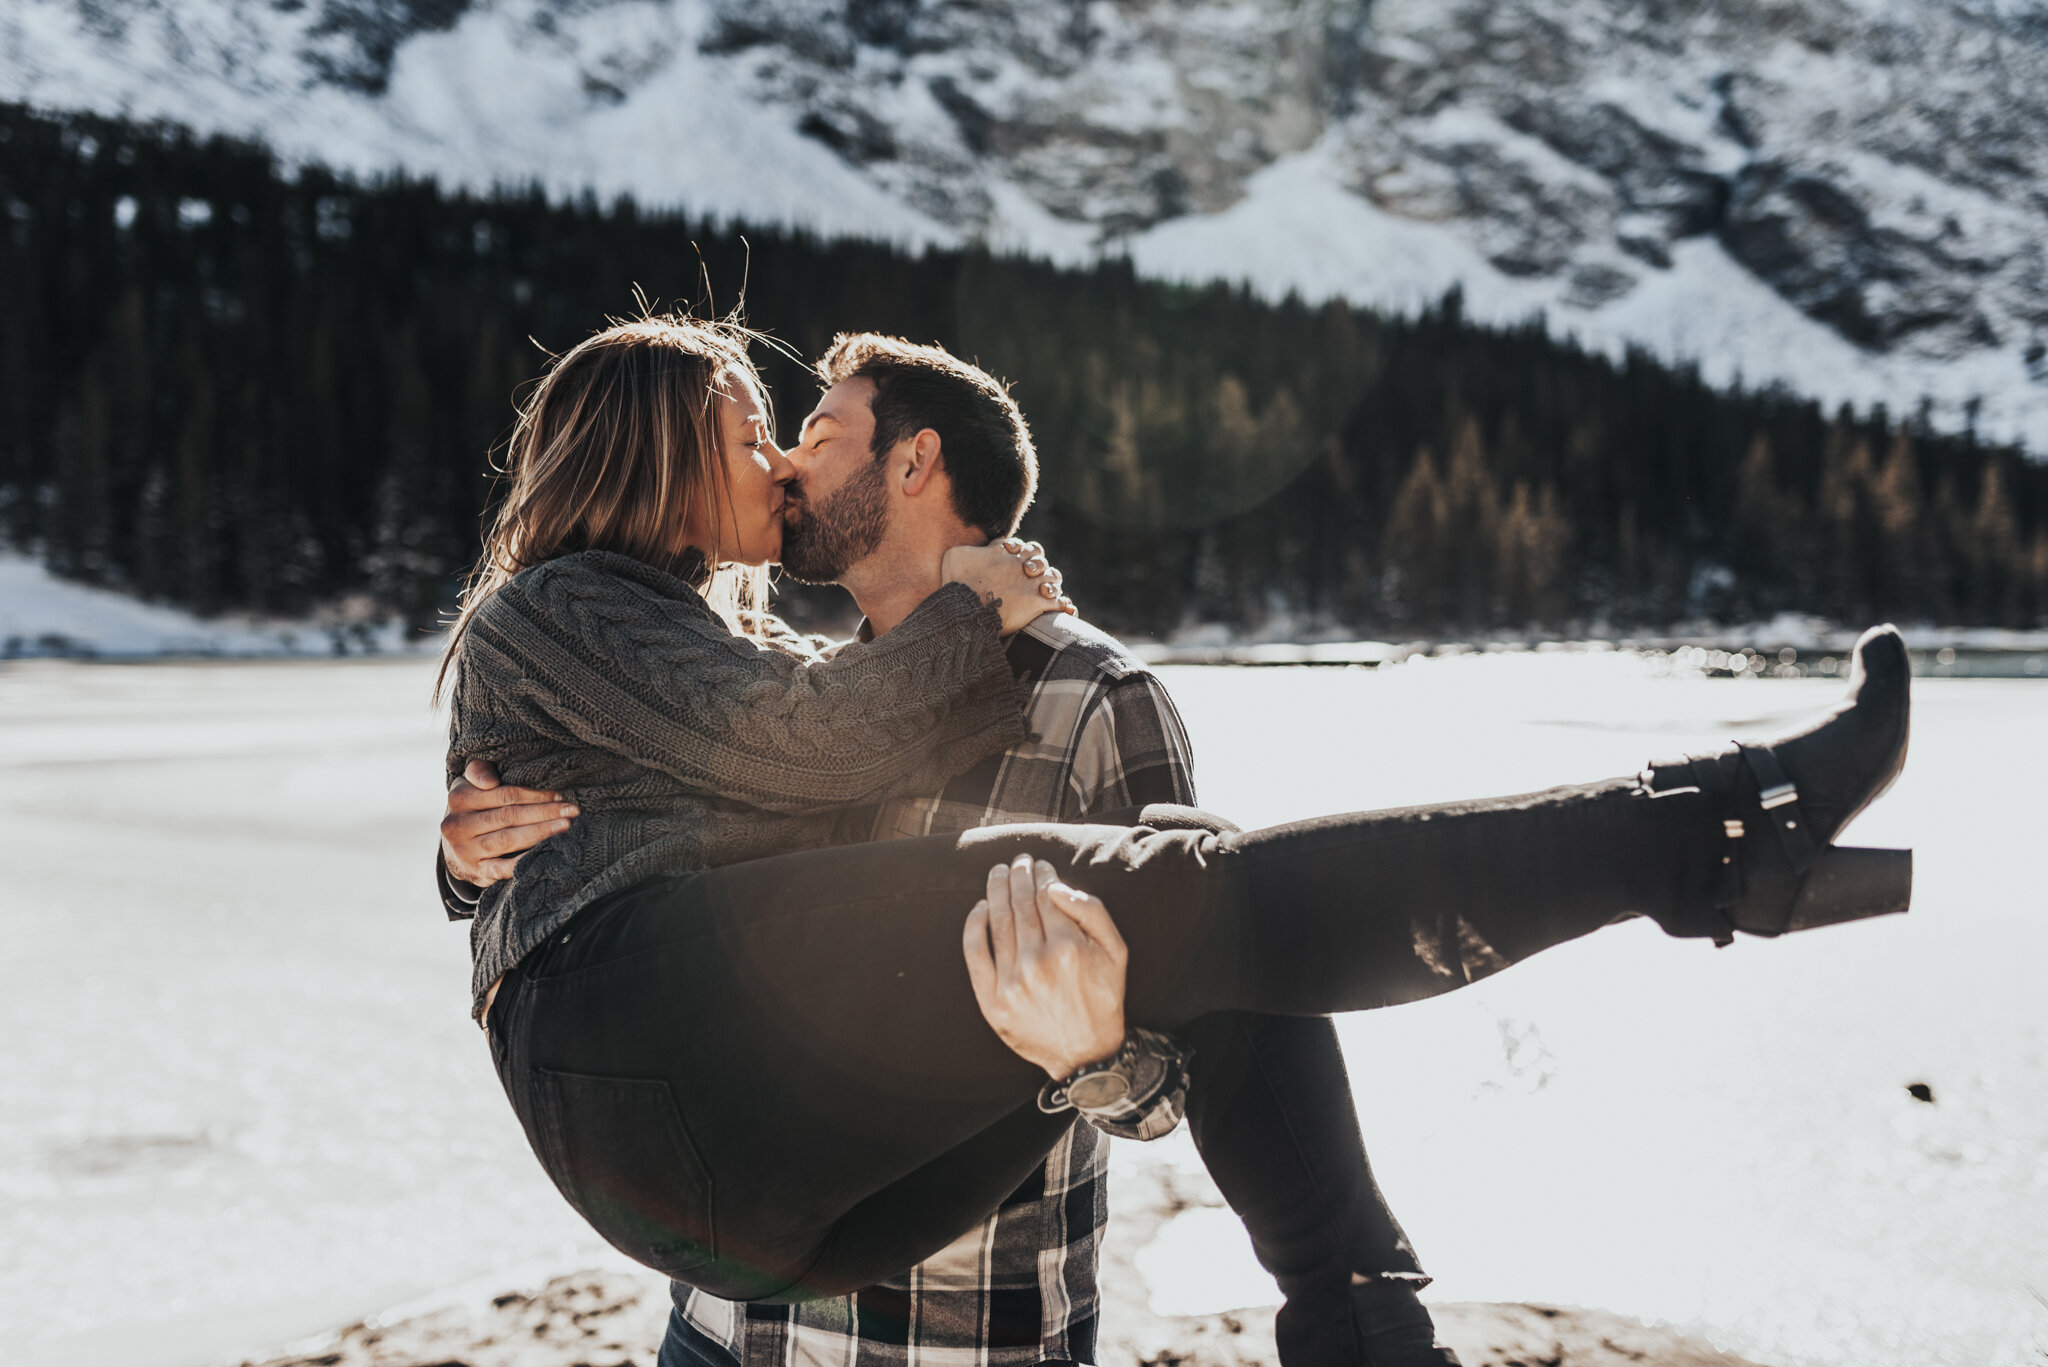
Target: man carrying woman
[[1020, 1286], [777, 1080]]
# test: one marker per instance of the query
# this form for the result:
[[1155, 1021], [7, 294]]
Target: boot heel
[[1847, 884]]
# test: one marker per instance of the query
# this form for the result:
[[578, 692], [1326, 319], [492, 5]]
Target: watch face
[[1098, 1090]]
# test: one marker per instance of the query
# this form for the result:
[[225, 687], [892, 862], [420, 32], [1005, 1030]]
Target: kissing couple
[[815, 971]]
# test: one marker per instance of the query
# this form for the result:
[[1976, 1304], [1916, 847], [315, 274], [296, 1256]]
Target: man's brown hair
[[983, 438]]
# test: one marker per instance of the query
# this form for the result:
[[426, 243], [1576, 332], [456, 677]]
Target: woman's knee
[[1166, 816]]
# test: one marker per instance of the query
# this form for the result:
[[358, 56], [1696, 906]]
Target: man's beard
[[829, 538]]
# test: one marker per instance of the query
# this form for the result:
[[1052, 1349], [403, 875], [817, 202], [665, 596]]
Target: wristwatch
[[1145, 1066]]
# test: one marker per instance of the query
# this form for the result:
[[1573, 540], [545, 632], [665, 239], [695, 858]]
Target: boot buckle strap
[[1777, 794]]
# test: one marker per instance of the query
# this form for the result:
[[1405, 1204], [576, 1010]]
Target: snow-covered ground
[[42, 615], [244, 1103]]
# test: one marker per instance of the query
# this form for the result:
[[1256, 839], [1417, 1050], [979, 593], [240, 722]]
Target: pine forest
[[234, 385]]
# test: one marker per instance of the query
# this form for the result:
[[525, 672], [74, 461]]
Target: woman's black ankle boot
[[1781, 805]]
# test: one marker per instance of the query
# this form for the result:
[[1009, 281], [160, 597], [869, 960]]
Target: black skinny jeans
[[771, 1080]]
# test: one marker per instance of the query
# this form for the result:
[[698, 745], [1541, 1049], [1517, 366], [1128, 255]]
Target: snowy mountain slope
[[1849, 196], [520, 93]]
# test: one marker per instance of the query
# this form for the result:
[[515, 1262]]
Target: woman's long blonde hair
[[616, 449]]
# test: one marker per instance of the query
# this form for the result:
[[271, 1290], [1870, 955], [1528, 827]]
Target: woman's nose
[[780, 467]]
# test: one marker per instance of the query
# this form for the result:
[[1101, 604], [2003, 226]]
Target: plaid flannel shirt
[[1019, 1288]]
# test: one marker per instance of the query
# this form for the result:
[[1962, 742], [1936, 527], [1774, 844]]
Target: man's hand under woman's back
[[489, 824]]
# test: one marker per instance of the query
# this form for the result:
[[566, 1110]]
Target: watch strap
[[1151, 1066]]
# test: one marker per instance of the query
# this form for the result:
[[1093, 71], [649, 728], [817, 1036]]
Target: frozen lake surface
[[242, 1100]]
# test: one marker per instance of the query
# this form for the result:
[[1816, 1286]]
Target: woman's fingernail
[[572, 810]]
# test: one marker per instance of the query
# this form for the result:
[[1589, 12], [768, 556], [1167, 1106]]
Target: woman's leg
[[799, 1038], [720, 1069], [716, 1114]]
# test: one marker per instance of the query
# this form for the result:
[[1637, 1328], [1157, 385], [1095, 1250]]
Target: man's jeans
[[1270, 1108], [683, 1346]]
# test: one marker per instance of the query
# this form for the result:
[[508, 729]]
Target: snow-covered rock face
[[1880, 166], [1111, 117], [1847, 195], [354, 41]]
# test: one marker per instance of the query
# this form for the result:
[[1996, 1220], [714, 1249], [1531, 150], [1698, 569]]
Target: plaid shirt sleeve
[[1134, 750]]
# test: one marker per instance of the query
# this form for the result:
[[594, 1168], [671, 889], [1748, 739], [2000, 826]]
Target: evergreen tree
[[1417, 577], [229, 385]]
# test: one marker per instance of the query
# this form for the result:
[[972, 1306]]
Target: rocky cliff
[[1846, 196]]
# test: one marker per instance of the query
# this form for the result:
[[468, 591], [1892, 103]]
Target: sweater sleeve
[[639, 666]]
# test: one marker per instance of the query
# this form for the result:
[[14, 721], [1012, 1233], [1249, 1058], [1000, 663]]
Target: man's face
[[838, 506]]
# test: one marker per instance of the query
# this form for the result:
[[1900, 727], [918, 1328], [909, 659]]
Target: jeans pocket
[[619, 1151]]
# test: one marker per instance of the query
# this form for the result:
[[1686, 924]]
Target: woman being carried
[[771, 1077]]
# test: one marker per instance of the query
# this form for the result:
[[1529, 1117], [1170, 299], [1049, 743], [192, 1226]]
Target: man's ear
[[926, 459]]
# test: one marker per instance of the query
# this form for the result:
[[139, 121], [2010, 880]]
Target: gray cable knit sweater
[[687, 746]]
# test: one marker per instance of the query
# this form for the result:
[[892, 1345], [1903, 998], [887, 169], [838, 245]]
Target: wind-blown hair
[[616, 449]]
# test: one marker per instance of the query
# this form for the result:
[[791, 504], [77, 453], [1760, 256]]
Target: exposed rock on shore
[[615, 1319]]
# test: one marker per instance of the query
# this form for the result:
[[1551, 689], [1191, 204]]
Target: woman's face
[[750, 523]]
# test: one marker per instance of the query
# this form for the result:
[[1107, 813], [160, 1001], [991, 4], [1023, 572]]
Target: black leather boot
[[1782, 803], [1394, 1327]]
